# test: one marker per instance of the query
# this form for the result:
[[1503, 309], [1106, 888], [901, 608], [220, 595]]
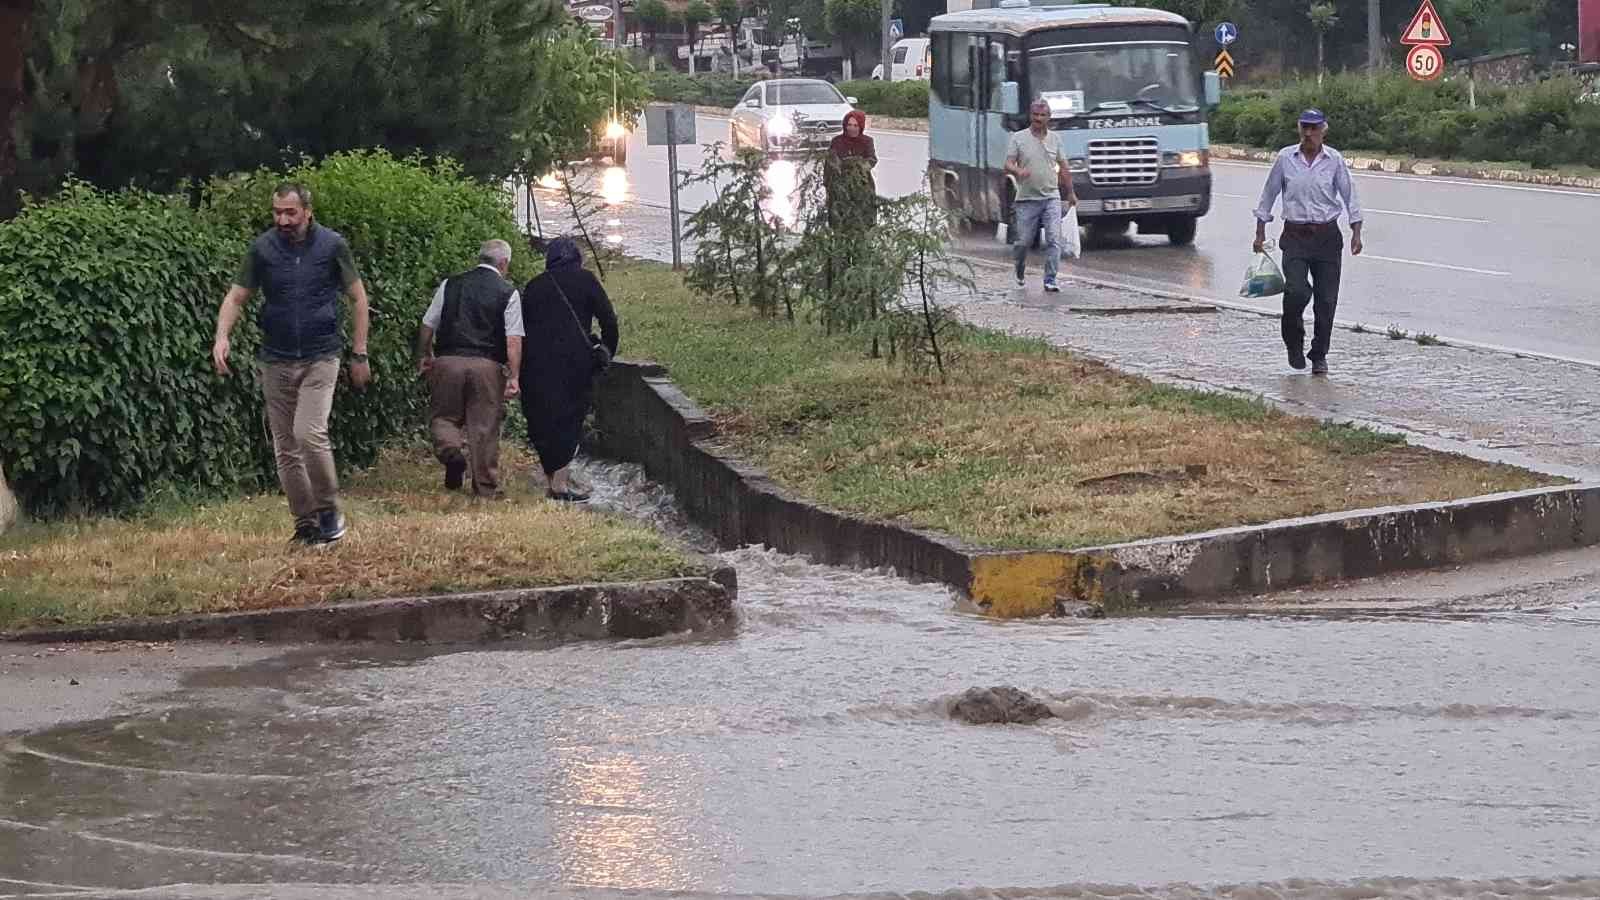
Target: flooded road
[[1414, 755]]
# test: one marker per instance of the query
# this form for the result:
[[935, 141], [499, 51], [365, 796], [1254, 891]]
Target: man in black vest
[[469, 350], [300, 268]]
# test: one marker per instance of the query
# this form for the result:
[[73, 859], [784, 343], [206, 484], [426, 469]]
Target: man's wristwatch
[[358, 357]]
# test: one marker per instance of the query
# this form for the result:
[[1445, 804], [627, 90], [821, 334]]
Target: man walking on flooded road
[[1035, 160], [1316, 186]]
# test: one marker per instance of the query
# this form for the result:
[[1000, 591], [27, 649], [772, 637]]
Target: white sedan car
[[788, 115]]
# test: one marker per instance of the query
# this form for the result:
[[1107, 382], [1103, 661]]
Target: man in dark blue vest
[[469, 350], [300, 268]]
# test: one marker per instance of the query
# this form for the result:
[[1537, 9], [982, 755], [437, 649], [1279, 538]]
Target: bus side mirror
[[1213, 83], [1010, 99]]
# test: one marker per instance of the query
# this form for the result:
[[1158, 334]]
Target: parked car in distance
[[788, 115], [913, 60]]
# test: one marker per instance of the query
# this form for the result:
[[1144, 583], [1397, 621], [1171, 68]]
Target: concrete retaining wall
[[642, 610], [642, 417]]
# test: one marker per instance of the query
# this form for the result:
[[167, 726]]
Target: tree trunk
[[15, 18], [1320, 36], [1374, 37]]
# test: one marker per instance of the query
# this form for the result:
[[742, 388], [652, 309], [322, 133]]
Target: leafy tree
[[583, 86], [731, 15], [856, 23], [653, 16], [1323, 15], [694, 15]]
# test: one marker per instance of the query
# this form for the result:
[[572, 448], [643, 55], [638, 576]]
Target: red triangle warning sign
[[1426, 27]]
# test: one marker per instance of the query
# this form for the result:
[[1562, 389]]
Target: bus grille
[[1124, 161]]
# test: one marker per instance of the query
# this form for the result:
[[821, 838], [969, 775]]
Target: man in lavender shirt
[[1316, 187]]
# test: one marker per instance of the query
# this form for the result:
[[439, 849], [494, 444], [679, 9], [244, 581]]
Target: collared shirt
[[513, 308], [1312, 192]]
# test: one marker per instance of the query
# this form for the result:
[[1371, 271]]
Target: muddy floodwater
[[810, 753]]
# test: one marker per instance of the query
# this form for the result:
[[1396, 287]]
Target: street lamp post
[[885, 9]]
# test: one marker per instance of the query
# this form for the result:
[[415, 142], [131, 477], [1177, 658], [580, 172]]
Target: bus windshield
[[1141, 76]]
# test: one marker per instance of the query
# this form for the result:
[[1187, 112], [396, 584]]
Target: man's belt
[[1307, 229]]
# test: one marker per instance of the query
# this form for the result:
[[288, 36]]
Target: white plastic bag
[[1263, 278], [1071, 239]]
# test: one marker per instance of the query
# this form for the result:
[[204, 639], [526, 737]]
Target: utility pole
[[619, 34], [1374, 37], [885, 10]]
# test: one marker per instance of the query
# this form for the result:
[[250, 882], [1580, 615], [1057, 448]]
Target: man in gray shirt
[[1035, 160], [1316, 186]]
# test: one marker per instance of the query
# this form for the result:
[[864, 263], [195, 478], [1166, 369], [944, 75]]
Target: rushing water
[[810, 753]]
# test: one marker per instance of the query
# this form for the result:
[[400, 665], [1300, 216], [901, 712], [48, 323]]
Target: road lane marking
[[1434, 265], [1387, 212]]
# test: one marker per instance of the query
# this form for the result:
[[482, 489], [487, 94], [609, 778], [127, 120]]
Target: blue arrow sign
[[1227, 33]]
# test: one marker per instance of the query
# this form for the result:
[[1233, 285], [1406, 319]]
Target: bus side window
[[994, 72], [939, 82], [961, 74]]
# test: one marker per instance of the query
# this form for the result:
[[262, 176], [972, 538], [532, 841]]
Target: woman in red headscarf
[[847, 174]]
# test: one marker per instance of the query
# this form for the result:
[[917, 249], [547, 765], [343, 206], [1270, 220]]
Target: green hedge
[[109, 303], [904, 99], [907, 99], [1544, 124]]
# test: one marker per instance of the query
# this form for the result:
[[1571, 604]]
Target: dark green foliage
[[1544, 124], [109, 304], [702, 90], [906, 99]]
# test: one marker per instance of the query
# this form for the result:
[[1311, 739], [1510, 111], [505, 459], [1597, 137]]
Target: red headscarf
[[844, 145]]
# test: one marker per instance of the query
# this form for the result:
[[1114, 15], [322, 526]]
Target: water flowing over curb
[[643, 417], [592, 611]]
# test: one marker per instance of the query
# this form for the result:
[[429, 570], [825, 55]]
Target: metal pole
[[885, 8], [672, 178], [1374, 36]]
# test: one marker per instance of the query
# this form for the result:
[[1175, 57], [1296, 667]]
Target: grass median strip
[[1026, 446], [407, 537]]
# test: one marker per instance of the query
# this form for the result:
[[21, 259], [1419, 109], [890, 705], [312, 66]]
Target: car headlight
[[781, 127], [1185, 159], [615, 129]]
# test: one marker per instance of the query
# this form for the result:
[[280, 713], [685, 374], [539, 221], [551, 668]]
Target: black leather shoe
[[1297, 358], [1319, 367], [454, 469], [567, 496]]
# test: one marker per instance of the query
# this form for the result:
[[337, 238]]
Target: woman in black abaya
[[558, 308]]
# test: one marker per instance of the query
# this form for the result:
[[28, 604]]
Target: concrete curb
[[642, 417], [1398, 165], [587, 611]]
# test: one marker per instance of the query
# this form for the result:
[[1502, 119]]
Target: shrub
[[904, 99], [711, 89], [107, 304]]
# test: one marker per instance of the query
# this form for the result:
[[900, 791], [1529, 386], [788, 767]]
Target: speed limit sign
[[1425, 62]]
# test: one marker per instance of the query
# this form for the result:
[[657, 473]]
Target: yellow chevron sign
[[1224, 64]]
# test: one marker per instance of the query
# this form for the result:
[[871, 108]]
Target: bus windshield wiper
[[1142, 101]]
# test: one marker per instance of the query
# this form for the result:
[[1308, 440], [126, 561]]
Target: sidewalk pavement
[[1537, 413]]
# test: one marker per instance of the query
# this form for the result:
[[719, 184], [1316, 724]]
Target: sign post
[[1425, 35], [1226, 33], [670, 125]]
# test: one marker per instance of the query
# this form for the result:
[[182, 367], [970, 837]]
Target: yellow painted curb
[[1023, 585]]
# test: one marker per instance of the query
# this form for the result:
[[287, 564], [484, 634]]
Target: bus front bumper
[[1177, 192]]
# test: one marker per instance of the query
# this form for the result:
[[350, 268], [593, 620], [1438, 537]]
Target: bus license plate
[[1124, 205]]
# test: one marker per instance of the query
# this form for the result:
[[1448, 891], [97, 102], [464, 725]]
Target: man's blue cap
[[1313, 117]]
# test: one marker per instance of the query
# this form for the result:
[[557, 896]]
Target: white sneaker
[[1022, 282]]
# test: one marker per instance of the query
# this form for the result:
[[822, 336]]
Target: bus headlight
[[1185, 159], [1077, 164]]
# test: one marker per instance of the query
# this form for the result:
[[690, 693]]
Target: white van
[[912, 60]]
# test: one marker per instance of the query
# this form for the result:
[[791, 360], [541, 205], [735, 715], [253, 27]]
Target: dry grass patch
[[407, 537], [1026, 446]]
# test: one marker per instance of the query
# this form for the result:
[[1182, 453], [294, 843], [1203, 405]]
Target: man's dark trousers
[[1312, 259]]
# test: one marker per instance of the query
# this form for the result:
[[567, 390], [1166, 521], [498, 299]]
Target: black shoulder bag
[[599, 356]]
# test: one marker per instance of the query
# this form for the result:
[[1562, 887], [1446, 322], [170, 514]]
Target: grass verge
[[407, 537], [1026, 446]]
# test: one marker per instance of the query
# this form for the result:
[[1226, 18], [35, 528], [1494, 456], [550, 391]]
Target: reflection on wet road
[[810, 754], [1499, 264]]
